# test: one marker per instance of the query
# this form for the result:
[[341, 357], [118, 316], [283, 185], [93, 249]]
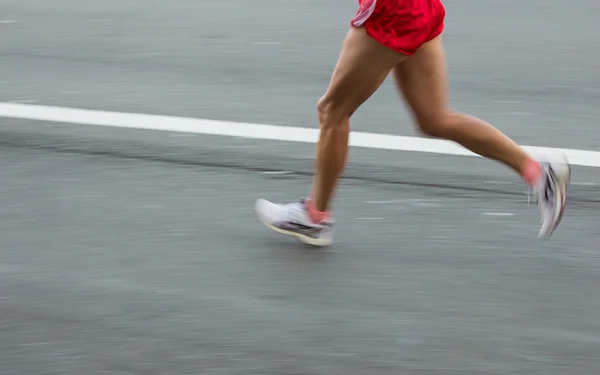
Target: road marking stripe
[[262, 131], [498, 214]]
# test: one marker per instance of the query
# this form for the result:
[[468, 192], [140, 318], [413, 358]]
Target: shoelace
[[293, 209]]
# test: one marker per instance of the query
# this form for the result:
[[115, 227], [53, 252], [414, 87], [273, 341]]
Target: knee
[[332, 112], [437, 125]]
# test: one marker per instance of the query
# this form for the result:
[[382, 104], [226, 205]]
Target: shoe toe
[[267, 211]]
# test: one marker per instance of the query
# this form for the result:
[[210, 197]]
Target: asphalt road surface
[[138, 252]]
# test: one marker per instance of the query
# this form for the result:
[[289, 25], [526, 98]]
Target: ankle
[[314, 214], [531, 172]]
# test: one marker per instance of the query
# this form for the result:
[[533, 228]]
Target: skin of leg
[[422, 80], [362, 67]]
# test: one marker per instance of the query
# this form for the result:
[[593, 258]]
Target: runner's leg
[[362, 67], [422, 79]]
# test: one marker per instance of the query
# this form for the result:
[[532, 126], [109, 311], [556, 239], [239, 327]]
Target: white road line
[[262, 131], [498, 214]]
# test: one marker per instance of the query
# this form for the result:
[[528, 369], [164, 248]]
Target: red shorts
[[402, 25]]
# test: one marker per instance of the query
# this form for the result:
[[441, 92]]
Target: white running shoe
[[292, 220], [551, 192]]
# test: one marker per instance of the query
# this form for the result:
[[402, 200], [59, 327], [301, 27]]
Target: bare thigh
[[422, 80], [362, 67]]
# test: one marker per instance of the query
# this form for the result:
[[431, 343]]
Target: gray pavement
[[134, 266], [137, 252]]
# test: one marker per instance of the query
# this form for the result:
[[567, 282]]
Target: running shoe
[[293, 220], [551, 193]]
